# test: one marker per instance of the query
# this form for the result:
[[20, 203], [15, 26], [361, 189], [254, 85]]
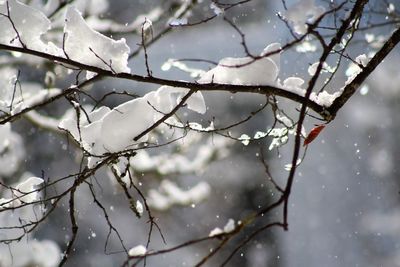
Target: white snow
[[354, 69], [139, 207], [215, 231], [288, 166], [217, 10], [126, 121], [89, 47], [178, 22], [324, 98], [228, 228], [26, 192], [245, 139], [280, 137], [293, 84], [170, 194], [139, 250], [305, 47], [30, 23], [246, 71], [89, 132]]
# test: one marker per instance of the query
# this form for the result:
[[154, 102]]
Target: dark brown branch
[[257, 89], [74, 226], [355, 12], [352, 87]]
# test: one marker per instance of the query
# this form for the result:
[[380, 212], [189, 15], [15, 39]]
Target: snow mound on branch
[[89, 47], [228, 228], [25, 192], [139, 250], [353, 70], [302, 12], [293, 84], [30, 24], [246, 70], [131, 118], [115, 130]]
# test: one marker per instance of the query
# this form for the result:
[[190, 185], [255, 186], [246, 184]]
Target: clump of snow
[[217, 10], [288, 167], [302, 12], [170, 194], [26, 192], [215, 231], [139, 250], [391, 8], [89, 125], [246, 71], [245, 139], [305, 47], [285, 120], [126, 121], [115, 130], [280, 137], [178, 22], [324, 98], [30, 24], [369, 37], [228, 228], [198, 127], [89, 47], [354, 69], [139, 207], [293, 84]]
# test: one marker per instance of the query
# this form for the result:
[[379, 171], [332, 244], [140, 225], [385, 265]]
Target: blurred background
[[344, 206]]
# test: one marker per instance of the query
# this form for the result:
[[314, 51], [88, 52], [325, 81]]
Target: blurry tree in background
[[172, 137]]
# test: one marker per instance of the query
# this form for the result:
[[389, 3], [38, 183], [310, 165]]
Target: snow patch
[[89, 47], [246, 70]]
